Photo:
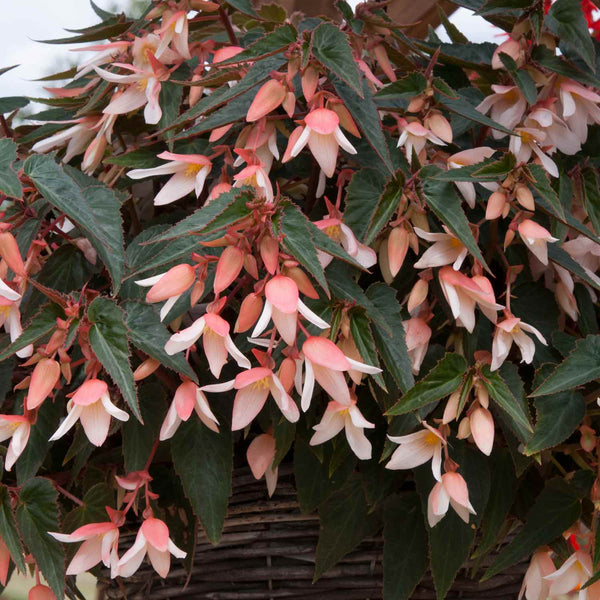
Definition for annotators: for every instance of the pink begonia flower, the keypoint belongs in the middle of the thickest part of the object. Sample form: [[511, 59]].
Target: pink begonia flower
[[536, 239], [152, 538], [253, 388], [91, 404], [188, 397], [189, 174], [323, 135], [535, 586], [585, 251], [174, 29], [342, 234], [565, 286], [10, 316], [479, 425], [17, 428], [105, 54], [417, 335], [326, 363], [77, 138], [168, 286], [416, 449], [414, 135], [511, 47], [514, 330], [463, 294], [41, 592], [446, 249], [216, 341], [260, 456], [572, 576], [348, 417], [5, 559], [558, 135], [257, 177], [451, 490], [257, 142], [100, 544], [579, 107], [43, 379], [530, 141], [467, 158], [506, 106], [282, 304]]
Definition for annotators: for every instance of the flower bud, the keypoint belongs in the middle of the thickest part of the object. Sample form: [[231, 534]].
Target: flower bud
[[146, 369], [495, 206]]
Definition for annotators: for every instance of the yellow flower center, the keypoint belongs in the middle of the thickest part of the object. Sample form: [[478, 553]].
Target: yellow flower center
[[334, 232], [432, 439], [455, 243], [4, 310], [192, 170], [512, 95], [261, 384], [526, 137], [142, 84]]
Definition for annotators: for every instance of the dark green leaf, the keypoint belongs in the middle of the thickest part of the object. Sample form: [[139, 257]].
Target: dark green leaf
[[331, 48], [41, 324], [494, 518], [558, 416], [580, 367], [441, 381], [298, 241], [591, 189], [203, 460], [96, 33], [108, 338], [138, 439], [542, 186], [390, 342], [405, 546], [274, 41], [501, 394], [37, 514], [567, 21], [385, 207], [363, 340], [147, 333], [10, 103], [554, 511], [441, 197], [142, 158], [33, 456], [9, 182], [547, 58], [244, 6], [521, 78], [204, 220], [365, 114], [93, 508], [8, 530], [407, 87], [362, 193], [345, 522], [92, 206]]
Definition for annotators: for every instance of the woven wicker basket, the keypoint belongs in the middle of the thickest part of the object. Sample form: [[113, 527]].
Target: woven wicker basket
[[268, 552]]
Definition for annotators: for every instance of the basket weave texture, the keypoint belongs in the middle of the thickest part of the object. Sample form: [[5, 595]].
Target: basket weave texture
[[267, 551]]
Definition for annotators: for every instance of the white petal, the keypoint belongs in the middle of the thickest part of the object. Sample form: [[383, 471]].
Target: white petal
[[309, 315]]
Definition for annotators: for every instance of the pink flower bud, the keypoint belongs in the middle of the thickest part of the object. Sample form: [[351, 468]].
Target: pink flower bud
[[41, 592], [250, 310], [9, 251], [397, 249], [269, 252], [43, 379], [482, 429], [418, 294], [145, 369], [229, 266], [525, 197], [310, 80], [495, 206], [268, 98], [438, 124]]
